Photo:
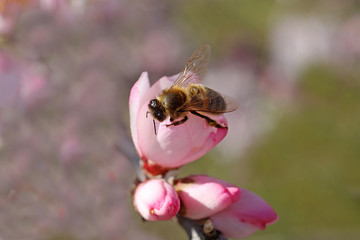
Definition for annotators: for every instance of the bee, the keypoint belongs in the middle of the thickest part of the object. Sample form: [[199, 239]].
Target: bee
[[186, 95]]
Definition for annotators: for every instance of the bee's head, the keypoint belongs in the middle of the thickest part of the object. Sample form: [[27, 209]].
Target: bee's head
[[157, 110]]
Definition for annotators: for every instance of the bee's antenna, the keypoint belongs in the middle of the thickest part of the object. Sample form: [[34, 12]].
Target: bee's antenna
[[154, 126]]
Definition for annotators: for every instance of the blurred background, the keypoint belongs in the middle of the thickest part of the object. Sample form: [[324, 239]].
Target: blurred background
[[66, 69]]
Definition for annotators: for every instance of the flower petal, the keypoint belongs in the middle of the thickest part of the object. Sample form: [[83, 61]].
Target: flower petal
[[201, 196], [136, 100], [156, 200], [245, 216]]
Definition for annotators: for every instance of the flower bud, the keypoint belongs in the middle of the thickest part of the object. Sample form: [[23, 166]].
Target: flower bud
[[244, 217], [156, 200], [171, 146], [202, 196]]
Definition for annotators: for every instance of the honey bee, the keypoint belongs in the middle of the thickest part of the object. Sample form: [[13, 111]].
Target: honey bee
[[186, 95]]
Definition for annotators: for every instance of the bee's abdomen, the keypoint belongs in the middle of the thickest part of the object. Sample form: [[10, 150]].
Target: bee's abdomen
[[215, 101], [206, 99]]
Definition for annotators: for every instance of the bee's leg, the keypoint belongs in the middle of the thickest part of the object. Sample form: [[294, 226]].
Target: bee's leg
[[154, 126], [210, 121], [178, 122]]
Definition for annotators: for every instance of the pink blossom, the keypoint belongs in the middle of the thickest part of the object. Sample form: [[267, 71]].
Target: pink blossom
[[71, 148], [51, 5], [160, 49], [6, 24], [156, 200], [245, 216], [9, 81], [172, 146], [33, 87], [202, 196]]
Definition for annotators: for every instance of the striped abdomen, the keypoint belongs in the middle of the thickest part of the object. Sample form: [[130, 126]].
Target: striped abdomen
[[205, 99]]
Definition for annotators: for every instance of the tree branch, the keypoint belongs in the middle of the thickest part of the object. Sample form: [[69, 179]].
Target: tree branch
[[196, 230]]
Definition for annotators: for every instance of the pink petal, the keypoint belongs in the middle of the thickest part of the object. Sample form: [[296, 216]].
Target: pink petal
[[136, 99], [245, 216], [201, 196], [156, 200]]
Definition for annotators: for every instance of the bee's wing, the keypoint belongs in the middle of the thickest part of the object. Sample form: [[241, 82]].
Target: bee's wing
[[201, 105], [195, 68]]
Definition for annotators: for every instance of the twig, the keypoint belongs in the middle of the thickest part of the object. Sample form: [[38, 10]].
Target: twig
[[196, 230]]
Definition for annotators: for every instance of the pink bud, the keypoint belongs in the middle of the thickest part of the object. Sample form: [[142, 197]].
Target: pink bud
[[156, 200], [172, 146], [202, 196], [245, 216]]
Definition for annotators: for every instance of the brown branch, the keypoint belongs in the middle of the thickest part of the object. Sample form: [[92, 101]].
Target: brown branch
[[196, 230]]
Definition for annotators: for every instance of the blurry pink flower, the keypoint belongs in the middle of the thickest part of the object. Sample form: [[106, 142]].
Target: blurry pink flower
[[202, 196], [245, 216], [9, 81], [160, 49], [155, 200], [50, 5], [6, 25], [71, 148], [172, 146], [349, 36], [33, 87]]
